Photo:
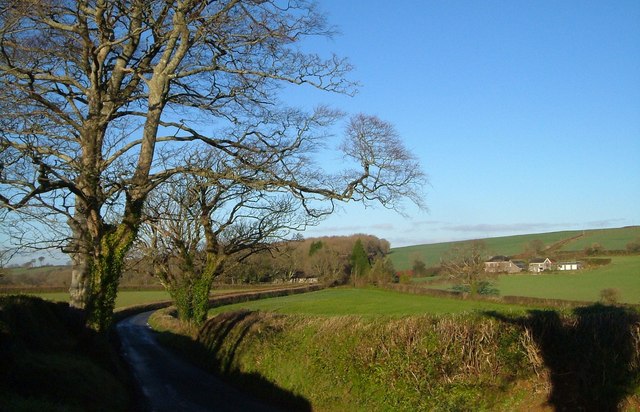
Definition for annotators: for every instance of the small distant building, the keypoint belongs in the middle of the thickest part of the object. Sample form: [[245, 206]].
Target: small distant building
[[502, 264], [301, 277], [538, 265], [569, 266]]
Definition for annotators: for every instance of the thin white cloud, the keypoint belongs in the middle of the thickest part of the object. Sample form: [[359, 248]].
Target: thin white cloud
[[383, 226], [355, 229], [511, 227], [606, 223], [331, 229], [431, 231], [531, 227], [420, 223]]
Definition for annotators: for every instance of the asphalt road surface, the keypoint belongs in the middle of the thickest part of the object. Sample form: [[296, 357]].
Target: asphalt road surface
[[169, 383]]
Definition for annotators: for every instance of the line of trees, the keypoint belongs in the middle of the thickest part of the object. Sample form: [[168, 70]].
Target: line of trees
[[105, 104], [332, 260], [181, 263]]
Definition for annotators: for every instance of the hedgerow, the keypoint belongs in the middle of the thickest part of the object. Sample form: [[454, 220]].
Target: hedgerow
[[477, 361]]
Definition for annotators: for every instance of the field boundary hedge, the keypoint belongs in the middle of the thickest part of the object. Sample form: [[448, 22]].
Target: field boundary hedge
[[509, 299], [586, 360], [220, 300]]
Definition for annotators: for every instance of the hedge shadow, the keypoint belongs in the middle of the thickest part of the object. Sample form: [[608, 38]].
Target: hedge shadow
[[592, 356]]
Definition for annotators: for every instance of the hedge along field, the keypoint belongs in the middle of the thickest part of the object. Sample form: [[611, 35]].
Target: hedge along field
[[622, 274], [588, 360]]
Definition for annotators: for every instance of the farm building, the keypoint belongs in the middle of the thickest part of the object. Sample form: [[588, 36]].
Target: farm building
[[538, 265], [301, 277], [503, 264], [569, 266]]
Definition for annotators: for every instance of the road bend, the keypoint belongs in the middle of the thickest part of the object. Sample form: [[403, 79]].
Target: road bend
[[169, 383]]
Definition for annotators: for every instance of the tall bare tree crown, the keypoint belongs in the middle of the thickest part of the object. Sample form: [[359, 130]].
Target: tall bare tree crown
[[102, 101]]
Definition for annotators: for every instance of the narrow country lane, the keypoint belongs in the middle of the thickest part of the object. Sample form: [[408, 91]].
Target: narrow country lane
[[170, 384]]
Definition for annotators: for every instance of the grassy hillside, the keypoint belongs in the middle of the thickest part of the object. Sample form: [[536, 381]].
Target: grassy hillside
[[575, 240], [610, 239]]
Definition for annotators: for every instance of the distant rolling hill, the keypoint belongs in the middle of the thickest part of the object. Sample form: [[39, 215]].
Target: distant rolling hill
[[568, 241]]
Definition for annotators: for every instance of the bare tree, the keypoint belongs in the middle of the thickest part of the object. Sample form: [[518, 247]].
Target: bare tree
[[98, 97], [328, 264], [195, 224], [288, 258], [464, 263]]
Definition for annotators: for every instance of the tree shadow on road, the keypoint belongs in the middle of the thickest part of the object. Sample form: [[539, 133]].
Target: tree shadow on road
[[203, 351], [592, 356]]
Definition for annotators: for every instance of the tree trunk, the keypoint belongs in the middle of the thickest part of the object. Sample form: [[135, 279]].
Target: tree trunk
[[79, 287], [105, 273], [473, 288], [80, 247], [98, 262]]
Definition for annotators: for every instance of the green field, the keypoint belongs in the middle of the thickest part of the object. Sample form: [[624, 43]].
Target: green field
[[364, 302], [577, 240], [610, 239], [623, 274], [139, 297], [124, 299]]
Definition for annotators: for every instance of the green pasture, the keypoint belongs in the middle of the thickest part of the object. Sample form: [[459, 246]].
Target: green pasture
[[38, 270], [623, 274], [610, 239], [124, 299], [364, 302], [513, 245], [403, 257], [140, 297]]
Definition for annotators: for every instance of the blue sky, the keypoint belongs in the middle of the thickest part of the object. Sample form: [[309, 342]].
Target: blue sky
[[524, 114]]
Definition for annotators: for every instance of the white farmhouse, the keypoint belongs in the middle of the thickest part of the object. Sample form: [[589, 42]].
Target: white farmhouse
[[538, 265], [569, 266]]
